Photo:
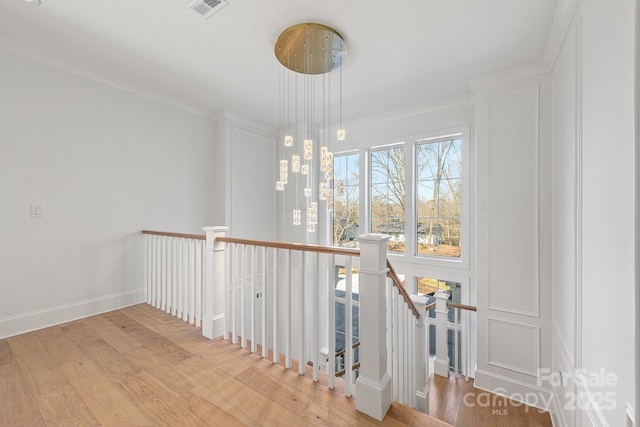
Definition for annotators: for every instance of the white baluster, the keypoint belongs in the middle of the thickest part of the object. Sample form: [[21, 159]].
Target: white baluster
[[331, 289], [228, 282], [263, 301], [254, 271], [185, 280], [315, 348], [157, 273], [172, 272], [302, 283], [147, 268], [348, 328], [287, 326], [234, 294], [243, 295], [276, 275], [397, 351], [456, 324], [199, 285]]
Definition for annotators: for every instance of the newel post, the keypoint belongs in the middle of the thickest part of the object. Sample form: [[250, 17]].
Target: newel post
[[441, 364], [373, 388], [421, 356], [213, 323]]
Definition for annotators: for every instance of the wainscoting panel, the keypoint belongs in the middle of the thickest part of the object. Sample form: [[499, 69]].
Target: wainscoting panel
[[523, 358]]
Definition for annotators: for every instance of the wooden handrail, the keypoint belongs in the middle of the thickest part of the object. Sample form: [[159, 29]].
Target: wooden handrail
[[396, 282], [341, 352], [292, 246], [461, 306], [299, 247], [341, 372], [180, 235], [430, 306]]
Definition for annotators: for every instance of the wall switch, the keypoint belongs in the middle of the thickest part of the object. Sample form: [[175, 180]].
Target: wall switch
[[37, 211]]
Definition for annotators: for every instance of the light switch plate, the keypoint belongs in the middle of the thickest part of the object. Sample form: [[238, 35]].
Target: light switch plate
[[37, 211]]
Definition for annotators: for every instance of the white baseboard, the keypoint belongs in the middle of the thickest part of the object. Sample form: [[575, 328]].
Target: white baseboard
[[38, 319], [557, 414], [562, 361], [531, 395]]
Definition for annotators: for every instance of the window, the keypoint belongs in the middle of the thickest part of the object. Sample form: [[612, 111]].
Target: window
[[429, 286], [439, 197], [346, 199], [416, 195], [388, 195]]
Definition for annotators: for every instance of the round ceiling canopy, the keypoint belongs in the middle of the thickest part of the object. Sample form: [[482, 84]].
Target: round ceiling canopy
[[310, 48]]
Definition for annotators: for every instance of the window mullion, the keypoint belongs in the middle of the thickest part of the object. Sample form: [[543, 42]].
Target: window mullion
[[410, 211]]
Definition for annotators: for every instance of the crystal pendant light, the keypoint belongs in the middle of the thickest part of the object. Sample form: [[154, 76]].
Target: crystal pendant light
[[308, 52]]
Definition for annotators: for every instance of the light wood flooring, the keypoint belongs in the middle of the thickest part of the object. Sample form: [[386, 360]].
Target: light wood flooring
[[140, 366]]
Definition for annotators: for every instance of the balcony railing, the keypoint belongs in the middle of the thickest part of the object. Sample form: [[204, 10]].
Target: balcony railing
[[279, 299]]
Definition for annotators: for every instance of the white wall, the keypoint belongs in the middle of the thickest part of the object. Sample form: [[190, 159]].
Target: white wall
[[105, 164], [513, 233], [607, 202], [593, 170], [566, 251], [250, 181]]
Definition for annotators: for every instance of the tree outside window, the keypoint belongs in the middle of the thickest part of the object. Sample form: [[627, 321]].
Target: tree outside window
[[388, 195], [346, 199], [439, 197]]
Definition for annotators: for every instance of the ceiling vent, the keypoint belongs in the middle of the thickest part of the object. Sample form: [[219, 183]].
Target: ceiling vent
[[207, 8]]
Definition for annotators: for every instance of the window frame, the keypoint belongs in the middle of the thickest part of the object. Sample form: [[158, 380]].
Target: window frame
[[410, 256]]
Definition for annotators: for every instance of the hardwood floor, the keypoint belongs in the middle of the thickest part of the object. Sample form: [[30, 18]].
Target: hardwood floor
[[139, 366], [459, 403]]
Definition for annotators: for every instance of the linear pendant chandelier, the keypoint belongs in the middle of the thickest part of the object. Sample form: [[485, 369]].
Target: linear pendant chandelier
[[308, 52]]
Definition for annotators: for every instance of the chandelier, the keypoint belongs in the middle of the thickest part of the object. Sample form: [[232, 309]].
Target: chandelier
[[308, 52]]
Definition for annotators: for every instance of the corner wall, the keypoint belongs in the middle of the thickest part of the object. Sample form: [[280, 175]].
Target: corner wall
[[105, 164], [593, 246]]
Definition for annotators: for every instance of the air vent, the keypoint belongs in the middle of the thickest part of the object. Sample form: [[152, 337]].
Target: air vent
[[207, 8]]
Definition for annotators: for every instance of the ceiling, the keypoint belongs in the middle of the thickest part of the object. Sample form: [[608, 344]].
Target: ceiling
[[400, 54]]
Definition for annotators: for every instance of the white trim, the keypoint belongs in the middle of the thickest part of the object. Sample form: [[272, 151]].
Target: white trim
[[578, 193], [537, 349], [590, 405], [535, 312], [512, 74], [37, 55], [466, 98], [512, 389], [38, 319], [562, 21], [561, 360], [557, 415], [565, 351], [631, 414]]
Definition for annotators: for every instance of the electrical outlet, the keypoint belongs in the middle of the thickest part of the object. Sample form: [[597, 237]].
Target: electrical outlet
[[37, 211]]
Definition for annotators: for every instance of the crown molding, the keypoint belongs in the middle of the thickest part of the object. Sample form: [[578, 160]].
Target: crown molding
[[509, 75], [565, 15], [441, 104], [31, 53]]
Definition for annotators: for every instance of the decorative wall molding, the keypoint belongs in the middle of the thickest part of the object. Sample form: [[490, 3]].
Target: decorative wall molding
[[565, 14], [513, 389], [38, 319], [512, 74], [491, 305], [534, 341]]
